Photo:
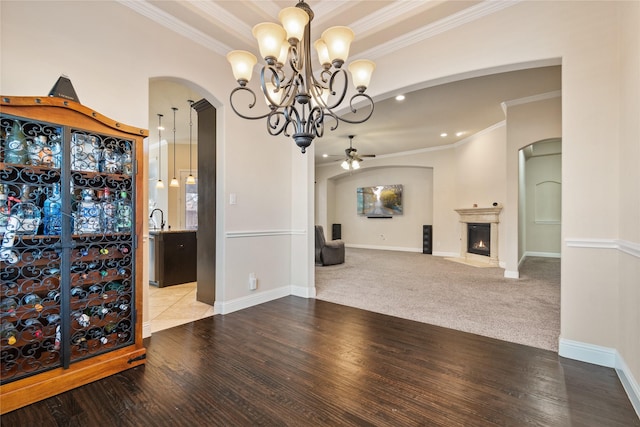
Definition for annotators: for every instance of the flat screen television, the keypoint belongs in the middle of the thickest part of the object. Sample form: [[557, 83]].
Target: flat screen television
[[380, 201]]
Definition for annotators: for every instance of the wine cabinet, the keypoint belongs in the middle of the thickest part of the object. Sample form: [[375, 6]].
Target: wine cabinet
[[70, 221]]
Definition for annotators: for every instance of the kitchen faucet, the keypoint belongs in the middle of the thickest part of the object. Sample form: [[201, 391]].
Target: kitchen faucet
[[161, 217]]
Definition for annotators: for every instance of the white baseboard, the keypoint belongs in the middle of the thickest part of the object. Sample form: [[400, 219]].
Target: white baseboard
[[146, 329], [629, 382], [542, 254], [509, 274], [384, 248], [590, 353], [303, 291], [227, 307], [447, 254], [604, 356]]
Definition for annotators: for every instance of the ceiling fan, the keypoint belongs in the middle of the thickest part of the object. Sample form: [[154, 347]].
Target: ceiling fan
[[353, 158]]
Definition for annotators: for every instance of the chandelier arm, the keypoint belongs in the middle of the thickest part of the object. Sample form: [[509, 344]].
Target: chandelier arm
[[369, 101], [251, 104], [273, 122], [332, 80], [315, 122]]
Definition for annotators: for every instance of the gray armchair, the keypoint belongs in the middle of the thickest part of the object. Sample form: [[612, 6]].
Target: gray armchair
[[328, 253]]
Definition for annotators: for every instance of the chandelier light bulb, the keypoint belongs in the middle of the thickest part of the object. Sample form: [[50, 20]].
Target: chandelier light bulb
[[323, 53], [355, 164], [270, 37], [338, 41], [242, 63], [174, 182], [160, 184], [284, 53], [361, 71], [345, 165], [294, 20], [191, 180]]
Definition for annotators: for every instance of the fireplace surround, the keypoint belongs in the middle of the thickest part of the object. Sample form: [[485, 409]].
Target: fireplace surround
[[469, 218]]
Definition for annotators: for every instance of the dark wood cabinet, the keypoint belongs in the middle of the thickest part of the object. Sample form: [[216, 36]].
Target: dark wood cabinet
[[173, 257]]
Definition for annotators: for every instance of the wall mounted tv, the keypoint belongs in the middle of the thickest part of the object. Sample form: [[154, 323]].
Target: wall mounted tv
[[380, 201]]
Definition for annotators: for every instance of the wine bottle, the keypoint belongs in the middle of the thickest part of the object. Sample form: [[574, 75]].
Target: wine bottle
[[53, 212], [4, 209], [34, 327], [33, 301], [27, 213], [83, 319], [34, 150], [123, 213], [88, 218], [16, 148], [53, 296], [78, 292], [108, 212], [9, 332], [56, 150], [8, 305]]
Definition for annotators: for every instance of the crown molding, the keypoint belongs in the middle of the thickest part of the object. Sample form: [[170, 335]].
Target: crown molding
[[529, 99], [212, 11], [364, 25], [148, 10], [449, 23]]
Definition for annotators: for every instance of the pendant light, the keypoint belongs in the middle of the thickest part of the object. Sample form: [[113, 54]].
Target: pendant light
[[190, 178], [174, 181], [159, 183]]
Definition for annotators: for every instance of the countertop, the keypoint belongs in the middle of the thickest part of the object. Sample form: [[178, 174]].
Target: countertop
[[156, 232]]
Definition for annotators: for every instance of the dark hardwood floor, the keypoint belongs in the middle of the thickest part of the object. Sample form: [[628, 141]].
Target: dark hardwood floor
[[299, 362]]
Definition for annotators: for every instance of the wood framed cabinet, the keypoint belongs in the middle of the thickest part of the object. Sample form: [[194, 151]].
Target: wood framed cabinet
[[71, 223]]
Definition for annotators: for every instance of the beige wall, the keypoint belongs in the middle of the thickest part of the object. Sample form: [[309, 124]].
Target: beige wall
[[542, 236], [628, 203], [528, 121], [401, 232]]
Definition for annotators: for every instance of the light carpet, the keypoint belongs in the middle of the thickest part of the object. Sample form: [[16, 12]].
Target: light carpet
[[434, 290]]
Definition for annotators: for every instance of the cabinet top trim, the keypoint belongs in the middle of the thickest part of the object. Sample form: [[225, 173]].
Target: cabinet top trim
[[52, 101]]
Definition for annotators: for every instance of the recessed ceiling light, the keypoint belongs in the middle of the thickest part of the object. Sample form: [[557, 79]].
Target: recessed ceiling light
[[400, 98], [443, 134], [459, 133], [325, 155]]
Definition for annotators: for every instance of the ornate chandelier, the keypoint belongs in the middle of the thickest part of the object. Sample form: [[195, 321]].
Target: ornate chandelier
[[299, 102]]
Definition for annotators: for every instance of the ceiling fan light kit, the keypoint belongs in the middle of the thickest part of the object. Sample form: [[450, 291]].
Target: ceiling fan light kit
[[299, 102], [352, 162]]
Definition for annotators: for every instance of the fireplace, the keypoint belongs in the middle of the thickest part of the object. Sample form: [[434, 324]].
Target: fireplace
[[479, 234], [479, 239]]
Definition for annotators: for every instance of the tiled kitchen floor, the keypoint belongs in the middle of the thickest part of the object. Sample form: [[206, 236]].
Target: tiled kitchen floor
[[175, 305]]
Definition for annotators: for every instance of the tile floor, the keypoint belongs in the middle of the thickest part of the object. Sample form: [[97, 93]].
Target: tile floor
[[175, 305]]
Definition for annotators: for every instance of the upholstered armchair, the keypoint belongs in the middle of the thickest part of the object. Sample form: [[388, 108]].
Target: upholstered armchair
[[328, 253]]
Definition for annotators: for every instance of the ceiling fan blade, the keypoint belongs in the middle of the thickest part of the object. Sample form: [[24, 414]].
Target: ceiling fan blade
[[367, 155]]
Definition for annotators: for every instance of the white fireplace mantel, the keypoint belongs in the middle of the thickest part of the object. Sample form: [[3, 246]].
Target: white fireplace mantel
[[480, 216]]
